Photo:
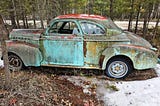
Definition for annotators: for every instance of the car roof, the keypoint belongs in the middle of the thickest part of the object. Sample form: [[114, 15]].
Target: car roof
[[81, 16]]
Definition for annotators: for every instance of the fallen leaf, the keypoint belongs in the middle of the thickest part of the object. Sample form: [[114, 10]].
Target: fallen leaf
[[43, 96], [12, 101]]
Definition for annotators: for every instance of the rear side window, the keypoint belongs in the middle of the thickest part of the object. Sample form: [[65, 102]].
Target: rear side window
[[91, 28]]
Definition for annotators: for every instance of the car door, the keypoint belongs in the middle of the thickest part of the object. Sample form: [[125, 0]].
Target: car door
[[95, 42], [63, 44]]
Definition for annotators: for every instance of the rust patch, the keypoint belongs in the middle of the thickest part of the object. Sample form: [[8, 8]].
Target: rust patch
[[101, 60], [20, 43], [62, 37], [85, 48], [71, 37], [136, 47], [28, 31], [91, 47]]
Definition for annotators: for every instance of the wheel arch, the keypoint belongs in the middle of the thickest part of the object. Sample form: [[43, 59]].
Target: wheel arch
[[118, 67], [121, 56], [107, 60]]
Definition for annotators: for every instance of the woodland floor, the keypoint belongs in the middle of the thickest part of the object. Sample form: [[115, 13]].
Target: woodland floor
[[45, 86]]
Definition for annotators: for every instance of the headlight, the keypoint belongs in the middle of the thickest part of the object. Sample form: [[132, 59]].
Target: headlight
[[154, 49], [159, 59]]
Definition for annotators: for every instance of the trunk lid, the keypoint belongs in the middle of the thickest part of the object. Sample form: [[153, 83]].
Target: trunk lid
[[26, 35], [23, 33]]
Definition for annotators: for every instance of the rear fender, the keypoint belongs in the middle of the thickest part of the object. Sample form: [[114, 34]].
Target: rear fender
[[29, 54]]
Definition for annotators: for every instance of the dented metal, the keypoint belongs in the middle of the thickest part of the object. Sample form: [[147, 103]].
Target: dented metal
[[80, 50]]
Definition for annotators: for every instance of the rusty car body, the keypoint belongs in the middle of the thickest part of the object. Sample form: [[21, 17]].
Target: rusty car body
[[81, 41]]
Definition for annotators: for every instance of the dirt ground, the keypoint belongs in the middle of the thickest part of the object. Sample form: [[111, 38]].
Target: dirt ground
[[45, 86]]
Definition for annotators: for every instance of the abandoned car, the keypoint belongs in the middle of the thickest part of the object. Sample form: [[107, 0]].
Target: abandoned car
[[81, 41]]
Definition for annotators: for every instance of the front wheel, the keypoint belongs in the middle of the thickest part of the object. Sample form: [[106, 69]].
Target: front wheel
[[118, 68], [15, 63]]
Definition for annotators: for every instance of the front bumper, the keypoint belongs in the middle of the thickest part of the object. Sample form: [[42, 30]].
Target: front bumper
[[159, 59], [156, 50]]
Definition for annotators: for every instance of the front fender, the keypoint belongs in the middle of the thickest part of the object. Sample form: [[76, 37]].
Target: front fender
[[142, 58], [29, 53]]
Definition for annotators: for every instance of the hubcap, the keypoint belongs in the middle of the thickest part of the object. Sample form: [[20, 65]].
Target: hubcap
[[14, 63], [118, 69]]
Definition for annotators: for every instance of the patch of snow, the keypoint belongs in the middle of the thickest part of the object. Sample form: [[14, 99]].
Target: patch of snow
[[130, 93], [80, 81], [124, 24], [135, 93], [158, 69], [86, 89], [1, 63]]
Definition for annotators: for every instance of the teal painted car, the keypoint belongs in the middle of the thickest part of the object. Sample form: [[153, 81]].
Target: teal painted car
[[81, 41]]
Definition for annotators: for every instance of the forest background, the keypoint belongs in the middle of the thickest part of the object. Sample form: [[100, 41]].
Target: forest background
[[38, 13]]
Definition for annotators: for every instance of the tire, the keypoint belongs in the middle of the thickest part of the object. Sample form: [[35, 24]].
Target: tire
[[118, 68], [15, 63]]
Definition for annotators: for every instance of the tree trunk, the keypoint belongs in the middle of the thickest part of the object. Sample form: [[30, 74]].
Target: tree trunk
[[156, 26], [13, 22], [48, 16], [122, 17], [137, 18], [23, 19], [156, 10], [149, 13], [41, 7], [90, 7], [4, 36], [12, 15], [26, 20], [145, 23], [34, 20], [42, 25], [33, 14], [17, 20], [146, 15], [131, 16], [111, 9], [15, 14]]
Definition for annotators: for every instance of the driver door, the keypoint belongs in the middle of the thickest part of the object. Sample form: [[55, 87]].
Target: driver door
[[63, 44]]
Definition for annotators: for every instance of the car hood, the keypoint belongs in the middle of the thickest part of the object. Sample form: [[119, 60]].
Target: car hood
[[134, 39], [137, 40]]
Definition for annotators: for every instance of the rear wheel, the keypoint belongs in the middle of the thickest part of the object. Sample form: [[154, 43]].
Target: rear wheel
[[15, 63], [118, 68]]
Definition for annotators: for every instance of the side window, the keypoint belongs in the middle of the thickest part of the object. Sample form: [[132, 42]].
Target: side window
[[64, 27], [55, 27], [92, 29]]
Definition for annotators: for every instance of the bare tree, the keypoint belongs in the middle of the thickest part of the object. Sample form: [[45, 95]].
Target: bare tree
[[4, 36]]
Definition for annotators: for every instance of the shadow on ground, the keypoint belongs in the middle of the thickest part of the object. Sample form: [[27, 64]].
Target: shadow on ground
[[135, 75]]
